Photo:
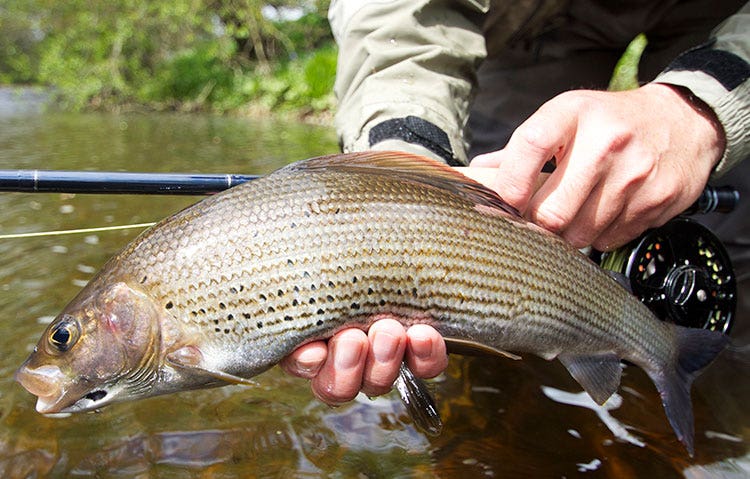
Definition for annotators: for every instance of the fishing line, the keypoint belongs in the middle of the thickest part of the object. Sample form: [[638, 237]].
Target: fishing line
[[77, 231]]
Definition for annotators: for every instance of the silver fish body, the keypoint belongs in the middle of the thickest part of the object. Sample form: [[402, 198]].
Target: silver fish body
[[226, 288]]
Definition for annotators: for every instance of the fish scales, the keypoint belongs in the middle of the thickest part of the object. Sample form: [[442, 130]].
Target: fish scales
[[409, 221], [224, 289]]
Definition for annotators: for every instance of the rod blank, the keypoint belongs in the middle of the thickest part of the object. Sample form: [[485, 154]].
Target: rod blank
[[107, 182], [721, 199]]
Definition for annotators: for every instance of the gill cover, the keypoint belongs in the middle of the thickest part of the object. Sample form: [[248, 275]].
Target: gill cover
[[100, 349]]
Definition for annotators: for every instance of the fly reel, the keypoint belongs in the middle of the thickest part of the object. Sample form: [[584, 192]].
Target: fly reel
[[682, 272]]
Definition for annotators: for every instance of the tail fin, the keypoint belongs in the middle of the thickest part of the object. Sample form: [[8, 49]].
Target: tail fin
[[695, 349]]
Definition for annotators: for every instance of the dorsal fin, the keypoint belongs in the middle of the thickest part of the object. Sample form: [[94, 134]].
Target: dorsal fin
[[408, 167]]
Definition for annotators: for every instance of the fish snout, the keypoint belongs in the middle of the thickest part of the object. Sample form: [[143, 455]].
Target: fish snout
[[45, 382]]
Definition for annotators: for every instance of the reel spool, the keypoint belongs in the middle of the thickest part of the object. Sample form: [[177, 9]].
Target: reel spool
[[682, 272]]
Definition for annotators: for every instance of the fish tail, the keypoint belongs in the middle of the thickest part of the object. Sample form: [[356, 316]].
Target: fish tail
[[694, 350]]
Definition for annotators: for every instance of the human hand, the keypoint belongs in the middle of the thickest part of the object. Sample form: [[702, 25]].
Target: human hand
[[626, 161], [353, 360]]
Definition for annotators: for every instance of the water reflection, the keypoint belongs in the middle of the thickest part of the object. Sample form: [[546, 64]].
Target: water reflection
[[499, 422]]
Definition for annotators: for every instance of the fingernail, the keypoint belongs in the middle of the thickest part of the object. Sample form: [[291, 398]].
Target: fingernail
[[347, 354], [308, 363], [384, 347], [422, 348]]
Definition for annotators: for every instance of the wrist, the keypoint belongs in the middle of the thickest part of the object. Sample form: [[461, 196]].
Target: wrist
[[704, 119]]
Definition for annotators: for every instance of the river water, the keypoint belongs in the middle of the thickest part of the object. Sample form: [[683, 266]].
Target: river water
[[502, 418]]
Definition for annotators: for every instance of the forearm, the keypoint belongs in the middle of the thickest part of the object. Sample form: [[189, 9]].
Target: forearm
[[718, 73], [404, 60]]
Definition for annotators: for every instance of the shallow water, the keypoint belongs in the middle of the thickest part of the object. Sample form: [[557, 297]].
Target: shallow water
[[502, 418]]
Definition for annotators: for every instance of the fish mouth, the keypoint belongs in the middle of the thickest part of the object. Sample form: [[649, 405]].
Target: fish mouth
[[62, 406], [56, 396]]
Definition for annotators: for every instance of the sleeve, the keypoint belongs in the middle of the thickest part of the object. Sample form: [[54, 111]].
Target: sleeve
[[717, 73], [406, 73]]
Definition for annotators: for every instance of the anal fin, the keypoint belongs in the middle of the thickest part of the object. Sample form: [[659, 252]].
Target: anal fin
[[191, 358], [599, 374]]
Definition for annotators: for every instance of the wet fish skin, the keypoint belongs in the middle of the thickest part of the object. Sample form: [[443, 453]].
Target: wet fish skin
[[223, 290]]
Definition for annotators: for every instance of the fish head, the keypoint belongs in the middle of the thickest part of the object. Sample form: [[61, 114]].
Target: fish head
[[101, 349]]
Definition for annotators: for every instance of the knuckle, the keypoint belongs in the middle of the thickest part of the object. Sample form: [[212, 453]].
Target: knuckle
[[534, 137]]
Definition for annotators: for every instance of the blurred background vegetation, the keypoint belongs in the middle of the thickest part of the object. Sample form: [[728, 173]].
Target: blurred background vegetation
[[187, 55]]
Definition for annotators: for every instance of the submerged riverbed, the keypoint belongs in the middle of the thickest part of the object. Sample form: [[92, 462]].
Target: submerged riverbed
[[502, 418]]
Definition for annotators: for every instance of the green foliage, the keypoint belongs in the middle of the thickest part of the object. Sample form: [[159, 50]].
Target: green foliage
[[625, 76], [182, 54]]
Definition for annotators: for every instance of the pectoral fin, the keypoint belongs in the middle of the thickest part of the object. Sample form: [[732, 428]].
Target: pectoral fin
[[418, 401], [599, 374], [472, 348], [191, 358]]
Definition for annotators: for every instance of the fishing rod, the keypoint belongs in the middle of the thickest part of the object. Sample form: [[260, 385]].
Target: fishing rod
[[722, 199], [110, 182]]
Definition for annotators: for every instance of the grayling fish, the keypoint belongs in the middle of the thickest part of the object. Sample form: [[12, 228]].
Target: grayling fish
[[223, 290]]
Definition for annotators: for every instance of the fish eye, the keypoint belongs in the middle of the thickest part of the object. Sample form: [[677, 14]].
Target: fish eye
[[64, 335]]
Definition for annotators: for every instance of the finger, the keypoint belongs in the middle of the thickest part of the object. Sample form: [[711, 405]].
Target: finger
[[596, 214], [634, 218], [486, 160], [387, 345], [340, 378], [306, 360], [544, 135], [485, 176], [426, 354], [558, 201]]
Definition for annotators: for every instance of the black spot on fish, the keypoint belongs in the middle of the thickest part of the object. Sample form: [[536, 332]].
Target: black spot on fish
[[337, 211], [331, 284], [143, 280], [271, 309], [226, 330], [202, 311], [242, 288], [312, 287], [320, 311], [370, 291], [230, 317], [233, 290], [296, 289], [354, 280], [217, 330], [279, 293], [290, 262], [305, 274], [399, 292], [194, 313], [247, 315], [293, 225], [262, 297], [259, 324], [295, 302], [354, 306], [329, 298], [312, 301], [288, 318], [414, 292], [319, 322], [222, 306], [216, 321], [382, 302], [169, 305]]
